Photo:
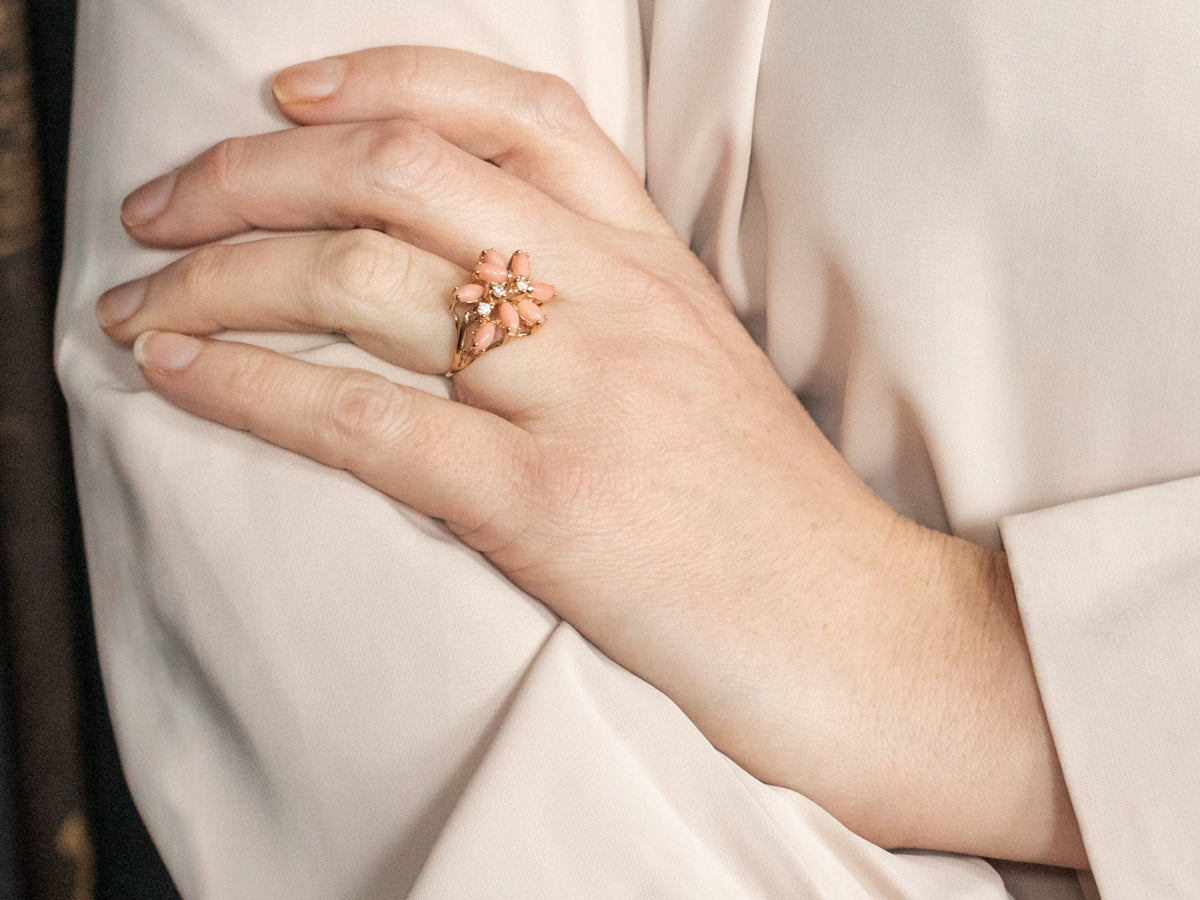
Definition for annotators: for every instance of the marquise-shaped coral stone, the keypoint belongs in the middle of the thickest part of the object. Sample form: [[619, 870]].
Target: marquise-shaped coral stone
[[469, 293], [541, 291], [520, 264], [484, 335], [529, 312], [509, 317], [492, 258], [490, 273]]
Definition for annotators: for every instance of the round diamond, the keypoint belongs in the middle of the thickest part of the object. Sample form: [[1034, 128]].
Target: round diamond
[[499, 291], [484, 308], [524, 286]]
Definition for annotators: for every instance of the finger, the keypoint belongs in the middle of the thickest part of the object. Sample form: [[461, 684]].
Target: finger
[[385, 296], [396, 176], [438, 457], [532, 124]]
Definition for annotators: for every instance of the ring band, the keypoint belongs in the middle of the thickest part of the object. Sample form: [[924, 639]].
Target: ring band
[[501, 304]]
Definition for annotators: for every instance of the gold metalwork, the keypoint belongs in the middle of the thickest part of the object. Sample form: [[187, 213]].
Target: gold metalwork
[[499, 306]]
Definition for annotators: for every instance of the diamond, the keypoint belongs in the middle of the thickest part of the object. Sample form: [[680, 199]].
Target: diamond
[[524, 285], [484, 308], [499, 291]]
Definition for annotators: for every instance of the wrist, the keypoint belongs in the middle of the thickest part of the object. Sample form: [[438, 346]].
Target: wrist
[[986, 779]]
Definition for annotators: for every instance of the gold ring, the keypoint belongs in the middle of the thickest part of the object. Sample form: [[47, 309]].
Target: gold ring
[[501, 304]]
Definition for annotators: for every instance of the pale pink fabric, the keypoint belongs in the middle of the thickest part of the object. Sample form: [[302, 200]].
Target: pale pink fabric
[[963, 231]]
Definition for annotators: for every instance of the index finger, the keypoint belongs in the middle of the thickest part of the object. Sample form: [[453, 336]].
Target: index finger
[[531, 123]]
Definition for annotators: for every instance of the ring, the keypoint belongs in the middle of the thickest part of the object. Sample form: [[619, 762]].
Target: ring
[[500, 305]]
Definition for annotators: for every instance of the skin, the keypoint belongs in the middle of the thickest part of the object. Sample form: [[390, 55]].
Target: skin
[[648, 475]]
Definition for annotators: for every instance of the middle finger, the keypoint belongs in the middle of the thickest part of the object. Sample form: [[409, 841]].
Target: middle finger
[[395, 176]]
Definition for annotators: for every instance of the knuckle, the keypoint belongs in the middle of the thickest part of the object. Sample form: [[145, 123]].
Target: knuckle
[[253, 384], [681, 313], [201, 270], [498, 520], [365, 266], [364, 411], [590, 492], [402, 156], [675, 310], [515, 524], [404, 70], [658, 340], [554, 104], [224, 165]]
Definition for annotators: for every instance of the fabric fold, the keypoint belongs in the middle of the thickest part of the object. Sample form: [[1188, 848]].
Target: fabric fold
[[1108, 590]]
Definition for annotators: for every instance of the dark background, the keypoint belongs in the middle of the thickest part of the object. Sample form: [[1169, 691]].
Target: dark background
[[68, 827]]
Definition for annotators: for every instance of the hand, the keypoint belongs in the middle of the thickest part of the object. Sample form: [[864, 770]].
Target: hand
[[636, 465]]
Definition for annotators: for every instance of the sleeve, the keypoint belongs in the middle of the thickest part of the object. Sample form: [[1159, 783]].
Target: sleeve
[[301, 673], [1109, 592], [317, 693]]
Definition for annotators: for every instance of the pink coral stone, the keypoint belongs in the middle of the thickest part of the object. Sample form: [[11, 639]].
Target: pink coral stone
[[529, 312], [484, 335], [541, 291], [509, 317], [491, 258], [469, 293], [520, 264], [494, 274]]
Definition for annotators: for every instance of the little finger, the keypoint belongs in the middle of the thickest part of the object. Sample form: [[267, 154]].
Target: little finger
[[420, 449]]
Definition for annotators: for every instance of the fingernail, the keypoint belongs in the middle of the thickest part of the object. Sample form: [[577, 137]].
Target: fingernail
[[165, 350], [121, 302], [309, 81], [148, 201]]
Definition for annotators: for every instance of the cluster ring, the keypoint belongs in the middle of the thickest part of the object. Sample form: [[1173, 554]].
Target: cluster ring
[[502, 303]]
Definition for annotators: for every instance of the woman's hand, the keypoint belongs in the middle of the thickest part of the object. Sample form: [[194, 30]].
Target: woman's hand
[[636, 465]]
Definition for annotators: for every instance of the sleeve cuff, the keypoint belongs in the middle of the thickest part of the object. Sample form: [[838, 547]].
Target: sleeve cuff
[[1109, 593]]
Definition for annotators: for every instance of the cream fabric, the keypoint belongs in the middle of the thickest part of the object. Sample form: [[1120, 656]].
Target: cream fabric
[[963, 232]]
